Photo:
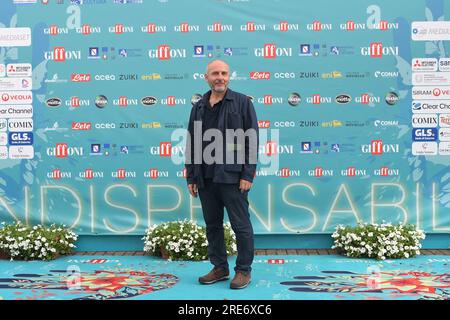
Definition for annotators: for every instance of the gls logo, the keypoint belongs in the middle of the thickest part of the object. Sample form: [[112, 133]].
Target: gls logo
[[20, 138], [424, 134]]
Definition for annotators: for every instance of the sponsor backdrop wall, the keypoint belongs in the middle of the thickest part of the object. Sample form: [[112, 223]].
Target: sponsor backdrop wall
[[352, 97]]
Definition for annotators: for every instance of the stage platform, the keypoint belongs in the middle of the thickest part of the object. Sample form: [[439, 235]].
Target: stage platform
[[314, 275]]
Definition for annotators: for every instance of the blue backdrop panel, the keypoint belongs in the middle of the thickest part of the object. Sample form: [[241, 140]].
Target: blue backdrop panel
[[114, 82]]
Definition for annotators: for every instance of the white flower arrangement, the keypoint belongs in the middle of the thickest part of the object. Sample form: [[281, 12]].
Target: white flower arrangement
[[22, 242], [380, 241], [183, 240]]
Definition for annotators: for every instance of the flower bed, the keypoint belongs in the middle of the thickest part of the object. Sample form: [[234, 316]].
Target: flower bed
[[183, 240], [378, 241], [18, 241]]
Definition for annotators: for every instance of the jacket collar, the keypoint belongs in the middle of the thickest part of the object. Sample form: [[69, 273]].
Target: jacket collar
[[230, 95]]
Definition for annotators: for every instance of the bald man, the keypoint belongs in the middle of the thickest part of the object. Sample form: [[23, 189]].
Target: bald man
[[224, 175]]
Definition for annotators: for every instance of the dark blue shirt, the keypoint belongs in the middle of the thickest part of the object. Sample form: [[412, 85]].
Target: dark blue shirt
[[210, 121]]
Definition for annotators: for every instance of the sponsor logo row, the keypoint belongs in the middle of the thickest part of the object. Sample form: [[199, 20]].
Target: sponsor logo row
[[270, 148], [267, 51], [294, 99], [155, 173], [234, 76], [219, 27], [262, 124]]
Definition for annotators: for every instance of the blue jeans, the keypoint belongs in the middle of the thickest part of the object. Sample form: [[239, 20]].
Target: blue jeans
[[214, 197]]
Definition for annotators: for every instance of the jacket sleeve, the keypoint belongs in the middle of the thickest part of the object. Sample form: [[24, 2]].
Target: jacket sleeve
[[250, 122], [189, 150]]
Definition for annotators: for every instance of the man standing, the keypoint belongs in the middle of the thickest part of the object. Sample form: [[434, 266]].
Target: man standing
[[222, 182]]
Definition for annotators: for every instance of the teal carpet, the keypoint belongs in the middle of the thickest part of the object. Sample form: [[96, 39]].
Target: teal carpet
[[290, 277]]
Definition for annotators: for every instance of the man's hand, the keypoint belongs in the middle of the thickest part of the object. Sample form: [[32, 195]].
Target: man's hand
[[193, 189], [244, 185]]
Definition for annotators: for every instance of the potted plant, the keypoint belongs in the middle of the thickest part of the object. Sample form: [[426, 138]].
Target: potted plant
[[19, 241], [380, 241], [183, 240]]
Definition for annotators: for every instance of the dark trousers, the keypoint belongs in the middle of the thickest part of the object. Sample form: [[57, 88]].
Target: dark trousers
[[214, 197]]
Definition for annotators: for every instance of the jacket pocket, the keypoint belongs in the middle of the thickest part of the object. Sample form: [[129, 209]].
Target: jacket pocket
[[234, 120]]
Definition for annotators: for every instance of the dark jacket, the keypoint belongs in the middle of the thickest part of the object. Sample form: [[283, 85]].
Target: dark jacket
[[236, 112]]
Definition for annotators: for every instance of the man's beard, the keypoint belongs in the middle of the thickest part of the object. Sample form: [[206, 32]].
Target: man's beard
[[213, 87]]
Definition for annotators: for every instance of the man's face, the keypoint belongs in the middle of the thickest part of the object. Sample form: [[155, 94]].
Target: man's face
[[218, 76]]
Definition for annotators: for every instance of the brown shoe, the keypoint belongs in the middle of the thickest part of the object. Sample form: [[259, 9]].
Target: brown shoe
[[216, 274], [240, 280]]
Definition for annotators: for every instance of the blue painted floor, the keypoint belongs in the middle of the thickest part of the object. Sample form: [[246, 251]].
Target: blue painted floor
[[290, 277]]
